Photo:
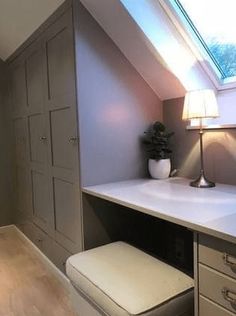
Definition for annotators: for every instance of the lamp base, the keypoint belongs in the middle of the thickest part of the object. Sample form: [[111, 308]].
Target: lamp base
[[202, 182]]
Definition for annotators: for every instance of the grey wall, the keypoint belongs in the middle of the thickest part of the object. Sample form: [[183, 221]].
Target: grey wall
[[219, 147], [6, 166], [115, 107]]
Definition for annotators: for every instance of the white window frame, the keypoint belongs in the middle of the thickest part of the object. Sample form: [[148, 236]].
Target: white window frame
[[192, 40]]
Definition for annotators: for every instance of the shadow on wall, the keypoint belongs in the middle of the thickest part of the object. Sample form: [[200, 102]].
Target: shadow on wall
[[220, 152], [219, 147]]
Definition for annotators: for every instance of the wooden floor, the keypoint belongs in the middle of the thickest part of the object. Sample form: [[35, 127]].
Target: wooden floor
[[27, 286]]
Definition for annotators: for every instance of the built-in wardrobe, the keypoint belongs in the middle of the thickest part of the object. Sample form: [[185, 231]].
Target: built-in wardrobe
[[77, 104], [44, 119]]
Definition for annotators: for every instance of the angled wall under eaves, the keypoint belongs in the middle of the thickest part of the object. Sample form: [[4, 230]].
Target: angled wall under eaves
[[149, 39], [115, 107], [122, 29]]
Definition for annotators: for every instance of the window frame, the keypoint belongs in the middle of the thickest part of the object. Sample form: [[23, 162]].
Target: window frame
[[196, 43]]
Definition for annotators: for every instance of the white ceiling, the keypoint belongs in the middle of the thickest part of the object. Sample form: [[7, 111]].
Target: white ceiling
[[19, 19]]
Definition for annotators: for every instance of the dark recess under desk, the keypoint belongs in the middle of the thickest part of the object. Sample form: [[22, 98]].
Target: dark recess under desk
[[170, 242]]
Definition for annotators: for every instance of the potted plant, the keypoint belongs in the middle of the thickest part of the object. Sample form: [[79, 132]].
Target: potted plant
[[156, 141]]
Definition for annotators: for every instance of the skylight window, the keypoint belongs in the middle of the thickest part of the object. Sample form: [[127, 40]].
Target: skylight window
[[213, 24]]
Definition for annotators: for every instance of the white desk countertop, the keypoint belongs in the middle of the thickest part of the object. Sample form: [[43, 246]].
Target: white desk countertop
[[211, 211]]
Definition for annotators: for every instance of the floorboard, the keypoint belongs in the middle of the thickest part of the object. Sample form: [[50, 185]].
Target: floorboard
[[28, 287]]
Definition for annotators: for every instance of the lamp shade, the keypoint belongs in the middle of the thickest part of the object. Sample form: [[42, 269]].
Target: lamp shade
[[200, 104]]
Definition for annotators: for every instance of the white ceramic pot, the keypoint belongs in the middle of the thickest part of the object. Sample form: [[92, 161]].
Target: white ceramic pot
[[159, 169]]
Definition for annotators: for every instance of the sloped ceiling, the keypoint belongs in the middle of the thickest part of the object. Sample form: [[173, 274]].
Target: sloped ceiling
[[19, 19], [150, 41]]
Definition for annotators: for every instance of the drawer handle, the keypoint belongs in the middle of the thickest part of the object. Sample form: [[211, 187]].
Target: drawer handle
[[229, 295], [43, 138], [228, 262]]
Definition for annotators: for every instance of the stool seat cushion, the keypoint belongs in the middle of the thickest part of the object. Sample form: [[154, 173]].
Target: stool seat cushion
[[128, 277]]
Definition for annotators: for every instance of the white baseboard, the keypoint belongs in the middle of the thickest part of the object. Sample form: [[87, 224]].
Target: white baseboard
[[48, 263]]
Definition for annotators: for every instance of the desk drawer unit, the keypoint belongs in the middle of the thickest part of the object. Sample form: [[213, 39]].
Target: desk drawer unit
[[217, 287], [218, 254], [209, 308], [217, 277]]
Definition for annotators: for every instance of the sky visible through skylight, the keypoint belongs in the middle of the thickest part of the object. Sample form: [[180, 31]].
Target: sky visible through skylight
[[215, 20]]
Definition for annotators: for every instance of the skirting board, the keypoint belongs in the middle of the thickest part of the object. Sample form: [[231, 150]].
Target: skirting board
[[51, 266]]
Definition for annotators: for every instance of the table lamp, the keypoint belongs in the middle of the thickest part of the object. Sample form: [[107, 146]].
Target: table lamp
[[200, 104]]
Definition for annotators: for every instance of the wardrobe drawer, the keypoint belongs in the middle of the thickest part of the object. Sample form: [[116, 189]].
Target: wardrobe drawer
[[218, 254], [209, 308], [39, 238], [29, 231], [43, 241], [217, 287], [59, 256]]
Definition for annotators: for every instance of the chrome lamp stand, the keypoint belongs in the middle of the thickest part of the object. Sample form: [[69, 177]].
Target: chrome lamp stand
[[201, 181]]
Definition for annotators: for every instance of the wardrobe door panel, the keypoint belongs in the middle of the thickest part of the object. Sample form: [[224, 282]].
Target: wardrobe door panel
[[19, 94], [20, 131], [35, 79], [63, 138], [38, 139], [43, 215], [60, 62], [23, 190], [66, 210]]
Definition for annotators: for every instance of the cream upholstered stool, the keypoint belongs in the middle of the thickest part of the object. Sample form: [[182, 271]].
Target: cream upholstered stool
[[118, 279]]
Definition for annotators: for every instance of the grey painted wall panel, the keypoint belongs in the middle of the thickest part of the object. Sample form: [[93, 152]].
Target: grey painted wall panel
[[219, 147], [6, 165], [115, 107]]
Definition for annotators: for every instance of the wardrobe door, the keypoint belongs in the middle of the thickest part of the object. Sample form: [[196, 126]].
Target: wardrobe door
[[21, 138], [35, 74], [18, 88], [41, 200], [38, 137], [22, 175], [62, 124], [21, 141], [23, 197]]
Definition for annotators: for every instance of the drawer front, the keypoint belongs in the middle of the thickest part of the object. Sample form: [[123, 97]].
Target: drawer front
[[39, 238], [29, 231], [43, 242], [59, 256], [208, 308], [218, 254], [211, 285]]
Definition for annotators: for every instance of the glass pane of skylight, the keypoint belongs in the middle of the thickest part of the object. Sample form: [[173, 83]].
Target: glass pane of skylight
[[214, 23]]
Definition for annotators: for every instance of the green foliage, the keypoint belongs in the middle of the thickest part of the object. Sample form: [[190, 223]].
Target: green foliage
[[156, 141], [225, 54]]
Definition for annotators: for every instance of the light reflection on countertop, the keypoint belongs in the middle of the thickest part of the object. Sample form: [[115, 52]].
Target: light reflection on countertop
[[210, 210]]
